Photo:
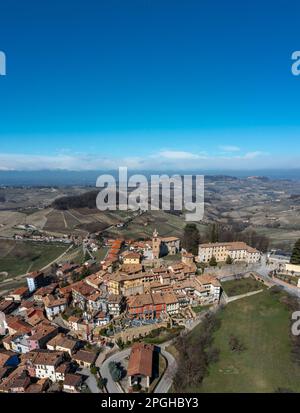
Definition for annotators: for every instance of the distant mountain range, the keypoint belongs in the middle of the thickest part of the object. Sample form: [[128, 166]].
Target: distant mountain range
[[88, 178]]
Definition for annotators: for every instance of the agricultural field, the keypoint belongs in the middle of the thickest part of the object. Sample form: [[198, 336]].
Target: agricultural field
[[270, 207], [264, 364], [17, 257], [143, 226]]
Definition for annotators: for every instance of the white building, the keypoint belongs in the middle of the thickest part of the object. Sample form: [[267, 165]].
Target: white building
[[48, 365], [35, 280], [237, 251], [20, 344], [54, 306]]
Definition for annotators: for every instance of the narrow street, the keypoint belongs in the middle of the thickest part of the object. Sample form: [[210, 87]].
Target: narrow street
[[90, 381]]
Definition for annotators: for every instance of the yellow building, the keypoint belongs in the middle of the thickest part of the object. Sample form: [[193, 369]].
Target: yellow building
[[237, 251], [131, 258]]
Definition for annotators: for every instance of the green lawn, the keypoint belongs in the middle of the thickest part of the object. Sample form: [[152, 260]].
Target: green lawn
[[262, 324], [243, 286], [101, 253], [159, 337], [29, 256]]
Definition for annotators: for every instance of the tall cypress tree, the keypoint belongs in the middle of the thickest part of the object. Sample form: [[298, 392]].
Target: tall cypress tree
[[191, 238], [295, 259]]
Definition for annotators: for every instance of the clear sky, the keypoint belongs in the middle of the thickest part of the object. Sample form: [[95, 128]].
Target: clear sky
[[156, 83]]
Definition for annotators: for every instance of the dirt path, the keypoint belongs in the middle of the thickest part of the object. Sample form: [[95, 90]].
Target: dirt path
[[64, 219]]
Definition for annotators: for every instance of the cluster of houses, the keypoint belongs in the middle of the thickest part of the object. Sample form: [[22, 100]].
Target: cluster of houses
[[49, 326]]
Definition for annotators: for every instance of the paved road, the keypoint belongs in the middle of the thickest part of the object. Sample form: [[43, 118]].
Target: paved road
[[111, 386], [264, 271], [167, 380], [90, 381]]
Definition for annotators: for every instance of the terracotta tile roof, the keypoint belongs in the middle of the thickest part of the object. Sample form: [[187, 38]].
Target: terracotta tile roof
[[85, 356], [139, 300], [95, 296], [158, 298], [20, 291], [231, 246], [83, 288], [42, 330], [51, 301], [170, 298], [188, 255], [63, 368], [208, 279], [131, 255], [7, 306], [43, 357], [131, 268], [114, 299], [17, 324], [73, 319], [95, 279], [35, 274], [17, 379], [141, 360], [45, 290], [4, 372], [62, 341], [27, 304], [66, 290], [73, 380], [34, 388], [159, 270], [169, 239], [35, 316], [68, 267]]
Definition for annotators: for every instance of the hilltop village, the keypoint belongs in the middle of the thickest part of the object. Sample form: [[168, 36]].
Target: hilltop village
[[58, 330]]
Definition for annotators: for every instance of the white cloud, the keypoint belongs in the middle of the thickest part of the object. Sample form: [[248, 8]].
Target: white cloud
[[230, 148], [163, 160], [253, 155], [179, 155]]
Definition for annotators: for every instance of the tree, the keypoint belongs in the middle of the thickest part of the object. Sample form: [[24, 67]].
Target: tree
[[214, 233], [295, 259], [87, 257], [229, 260], [94, 370], [101, 383], [213, 261], [191, 238], [112, 366], [116, 374], [120, 343], [236, 345]]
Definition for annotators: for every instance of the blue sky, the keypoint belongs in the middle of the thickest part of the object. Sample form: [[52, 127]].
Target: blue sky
[[160, 83]]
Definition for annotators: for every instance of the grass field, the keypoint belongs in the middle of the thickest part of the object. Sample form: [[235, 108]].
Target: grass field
[[243, 286], [162, 336], [20, 257], [262, 323]]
